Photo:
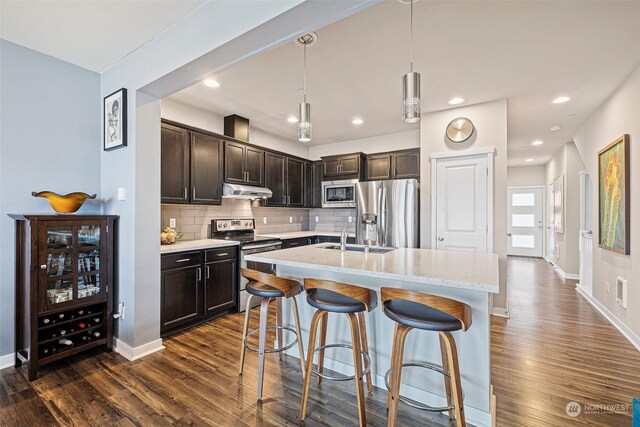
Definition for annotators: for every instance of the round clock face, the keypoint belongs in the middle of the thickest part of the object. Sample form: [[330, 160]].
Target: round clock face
[[460, 129]]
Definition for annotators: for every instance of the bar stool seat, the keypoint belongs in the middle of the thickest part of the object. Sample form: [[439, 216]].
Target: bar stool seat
[[420, 316], [263, 290], [334, 302]]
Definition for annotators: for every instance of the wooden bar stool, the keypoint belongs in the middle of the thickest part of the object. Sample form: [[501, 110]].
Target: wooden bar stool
[[412, 309], [353, 301], [268, 287]]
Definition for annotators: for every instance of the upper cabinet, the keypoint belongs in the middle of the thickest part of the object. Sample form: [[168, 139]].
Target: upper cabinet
[[191, 166], [243, 164], [284, 176], [313, 184], [394, 165], [346, 166]]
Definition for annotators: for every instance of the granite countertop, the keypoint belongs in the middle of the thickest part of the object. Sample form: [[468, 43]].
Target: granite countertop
[[457, 269], [300, 234], [194, 245]]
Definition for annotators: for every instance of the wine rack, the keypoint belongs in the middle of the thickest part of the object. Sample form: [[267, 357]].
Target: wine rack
[[64, 287]]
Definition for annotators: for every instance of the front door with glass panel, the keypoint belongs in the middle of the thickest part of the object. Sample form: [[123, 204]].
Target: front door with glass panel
[[525, 221]]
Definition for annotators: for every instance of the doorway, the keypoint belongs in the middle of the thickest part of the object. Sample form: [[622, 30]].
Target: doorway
[[525, 221]]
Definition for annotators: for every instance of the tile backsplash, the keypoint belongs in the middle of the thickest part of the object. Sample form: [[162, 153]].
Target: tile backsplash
[[194, 221]]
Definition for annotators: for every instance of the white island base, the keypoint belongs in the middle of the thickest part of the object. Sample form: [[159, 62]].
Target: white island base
[[462, 276]]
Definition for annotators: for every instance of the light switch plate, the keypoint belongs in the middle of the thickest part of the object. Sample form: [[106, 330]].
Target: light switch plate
[[172, 222], [290, 219], [264, 219], [122, 194], [317, 218], [350, 219]]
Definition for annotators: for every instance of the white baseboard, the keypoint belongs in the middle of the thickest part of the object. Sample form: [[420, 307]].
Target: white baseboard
[[7, 360], [133, 353], [561, 272], [501, 312], [617, 323], [473, 415]]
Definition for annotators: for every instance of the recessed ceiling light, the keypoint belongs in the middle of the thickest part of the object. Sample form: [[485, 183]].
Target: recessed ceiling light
[[357, 121], [525, 148], [456, 101], [571, 116], [538, 142], [561, 99], [555, 128], [211, 83], [529, 160], [292, 119]]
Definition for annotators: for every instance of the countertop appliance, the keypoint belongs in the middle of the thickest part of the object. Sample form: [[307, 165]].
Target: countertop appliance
[[387, 213], [243, 231], [339, 194]]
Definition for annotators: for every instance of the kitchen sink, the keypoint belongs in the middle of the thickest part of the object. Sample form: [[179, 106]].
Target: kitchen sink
[[361, 248]]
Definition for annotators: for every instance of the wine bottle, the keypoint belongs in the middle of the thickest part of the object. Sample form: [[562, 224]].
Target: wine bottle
[[61, 316], [62, 331], [96, 320], [65, 341], [96, 334], [80, 312], [46, 321], [82, 325]]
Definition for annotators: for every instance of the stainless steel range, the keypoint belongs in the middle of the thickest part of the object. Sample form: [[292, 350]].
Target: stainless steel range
[[243, 231]]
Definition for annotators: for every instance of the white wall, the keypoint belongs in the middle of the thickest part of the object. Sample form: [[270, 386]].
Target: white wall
[[490, 120], [50, 139], [207, 120], [526, 176], [568, 163], [375, 144], [617, 116]]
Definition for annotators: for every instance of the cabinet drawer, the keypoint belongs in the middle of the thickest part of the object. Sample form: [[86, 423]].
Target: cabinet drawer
[[292, 243], [182, 259], [220, 254]]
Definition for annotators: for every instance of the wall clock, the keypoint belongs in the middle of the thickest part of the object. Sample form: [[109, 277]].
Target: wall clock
[[460, 129]]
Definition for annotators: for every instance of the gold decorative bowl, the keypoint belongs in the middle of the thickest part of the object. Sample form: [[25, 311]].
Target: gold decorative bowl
[[64, 204]]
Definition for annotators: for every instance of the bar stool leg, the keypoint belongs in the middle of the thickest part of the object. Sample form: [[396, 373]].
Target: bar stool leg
[[393, 357], [323, 339], [262, 343], [365, 348], [456, 389], [396, 372], [296, 319], [447, 380], [279, 323], [313, 330], [357, 365], [245, 330]]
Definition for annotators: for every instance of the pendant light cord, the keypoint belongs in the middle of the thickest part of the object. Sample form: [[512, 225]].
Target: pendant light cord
[[305, 72], [411, 29]]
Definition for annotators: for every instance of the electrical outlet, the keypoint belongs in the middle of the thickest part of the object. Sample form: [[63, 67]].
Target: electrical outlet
[[120, 313], [350, 219], [264, 219], [172, 222], [621, 292], [290, 219], [606, 286], [317, 218]]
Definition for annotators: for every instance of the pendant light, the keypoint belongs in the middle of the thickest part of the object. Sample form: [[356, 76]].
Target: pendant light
[[304, 108], [411, 87]]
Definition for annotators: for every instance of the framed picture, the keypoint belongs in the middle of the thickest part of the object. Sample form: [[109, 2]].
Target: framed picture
[[558, 204], [115, 120], [614, 197]]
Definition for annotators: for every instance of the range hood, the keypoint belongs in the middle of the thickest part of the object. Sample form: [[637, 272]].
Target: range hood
[[246, 192]]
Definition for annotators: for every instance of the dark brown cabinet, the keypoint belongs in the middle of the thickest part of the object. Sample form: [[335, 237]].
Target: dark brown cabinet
[[196, 286], [346, 166], [294, 243], [313, 184], [191, 166], [243, 164], [393, 165], [64, 286], [284, 176]]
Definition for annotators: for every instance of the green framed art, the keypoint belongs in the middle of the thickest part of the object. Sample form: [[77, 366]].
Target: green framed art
[[614, 196]]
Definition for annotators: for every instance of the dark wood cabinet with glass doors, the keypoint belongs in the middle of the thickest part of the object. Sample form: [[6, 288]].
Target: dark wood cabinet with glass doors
[[64, 286]]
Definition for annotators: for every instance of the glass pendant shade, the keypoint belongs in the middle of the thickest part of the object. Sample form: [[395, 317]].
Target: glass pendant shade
[[304, 125], [411, 97]]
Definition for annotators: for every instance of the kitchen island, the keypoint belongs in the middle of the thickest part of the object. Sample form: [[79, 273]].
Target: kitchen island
[[465, 276]]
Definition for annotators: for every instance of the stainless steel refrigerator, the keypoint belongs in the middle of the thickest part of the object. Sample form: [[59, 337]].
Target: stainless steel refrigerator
[[387, 213]]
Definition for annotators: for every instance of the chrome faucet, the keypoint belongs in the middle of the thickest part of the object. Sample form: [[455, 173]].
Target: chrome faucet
[[343, 239]]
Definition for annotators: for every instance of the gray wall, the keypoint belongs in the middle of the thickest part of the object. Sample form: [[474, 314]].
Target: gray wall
[[50, 139]]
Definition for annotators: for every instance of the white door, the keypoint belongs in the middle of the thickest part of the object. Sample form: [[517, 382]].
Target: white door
[[525, 221], [551, 235], [461, 209], [586, 235]]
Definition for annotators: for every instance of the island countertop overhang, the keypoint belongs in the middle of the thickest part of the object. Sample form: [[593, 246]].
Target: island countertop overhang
[[454, 269]]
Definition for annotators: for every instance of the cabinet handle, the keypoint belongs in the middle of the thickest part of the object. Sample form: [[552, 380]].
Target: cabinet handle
[[183, 260], [294, 244], [224, 254], [193, 193], [185, 193], [207, 267], [199, 274], [288, 200], [43, 267], [247, 176], [395, 171], [284, 200]]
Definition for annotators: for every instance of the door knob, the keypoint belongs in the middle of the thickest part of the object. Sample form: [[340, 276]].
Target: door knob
[[508, 234], [440, 239]]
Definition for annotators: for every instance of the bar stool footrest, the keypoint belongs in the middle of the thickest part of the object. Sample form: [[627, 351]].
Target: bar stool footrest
[[343, 377], [414, 403], [271, 350]]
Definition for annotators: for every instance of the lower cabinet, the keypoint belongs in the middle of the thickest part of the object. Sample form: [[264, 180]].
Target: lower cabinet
[[196, 286], [293, 243]]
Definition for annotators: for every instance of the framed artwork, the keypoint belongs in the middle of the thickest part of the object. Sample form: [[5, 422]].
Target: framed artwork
[[558, 204], [115, 120], [614, 197]]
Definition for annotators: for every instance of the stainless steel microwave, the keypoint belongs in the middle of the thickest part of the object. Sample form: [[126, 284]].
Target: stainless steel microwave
[[339, 194]]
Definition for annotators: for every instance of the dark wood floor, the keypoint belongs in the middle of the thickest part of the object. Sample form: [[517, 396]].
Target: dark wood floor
[[555, 348]]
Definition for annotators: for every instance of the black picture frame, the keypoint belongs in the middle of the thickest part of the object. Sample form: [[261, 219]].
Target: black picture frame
[[114, 120]]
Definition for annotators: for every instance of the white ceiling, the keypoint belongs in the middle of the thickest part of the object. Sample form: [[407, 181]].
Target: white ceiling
[[92, 34], [527, 52]]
